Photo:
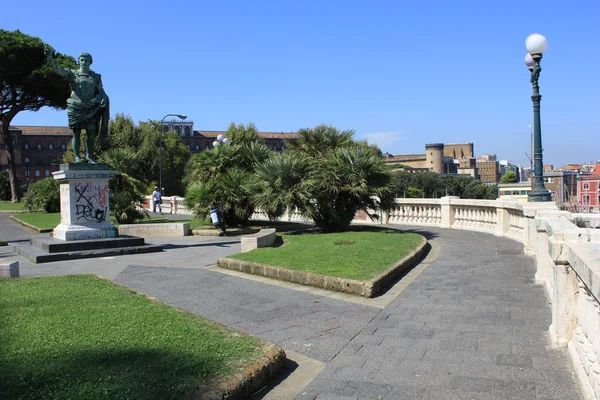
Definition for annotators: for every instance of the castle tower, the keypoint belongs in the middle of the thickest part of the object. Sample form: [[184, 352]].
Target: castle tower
[[434, 157]]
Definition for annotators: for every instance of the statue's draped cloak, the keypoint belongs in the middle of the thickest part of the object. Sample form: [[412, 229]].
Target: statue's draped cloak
[[81, 111]]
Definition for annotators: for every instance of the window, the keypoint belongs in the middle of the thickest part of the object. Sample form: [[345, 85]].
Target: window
[[26, 146], [38, 147], [37, 172], [188, 131], [523, 192], [50, 146], [197, 148], [586, 186], [27, 172], [47, 173], [586, 199], [63, 146]]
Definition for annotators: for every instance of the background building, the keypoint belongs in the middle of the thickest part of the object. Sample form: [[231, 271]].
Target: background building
[[38, 150], [515, 191], [505, 166], [589, 191], [489, 171], [440, 158]]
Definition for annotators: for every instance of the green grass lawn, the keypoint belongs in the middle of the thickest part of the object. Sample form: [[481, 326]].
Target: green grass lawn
[[83, 337], [10, 206], [41, 220], [361, 253]]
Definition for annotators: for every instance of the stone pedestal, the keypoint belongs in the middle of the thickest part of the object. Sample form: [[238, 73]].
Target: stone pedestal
[[84, 205]]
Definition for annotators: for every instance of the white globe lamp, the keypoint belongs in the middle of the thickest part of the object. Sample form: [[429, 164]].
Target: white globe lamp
[[536, 43]]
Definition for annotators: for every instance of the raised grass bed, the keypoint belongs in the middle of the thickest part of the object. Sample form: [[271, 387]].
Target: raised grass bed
[[83, 337], [362, 261]]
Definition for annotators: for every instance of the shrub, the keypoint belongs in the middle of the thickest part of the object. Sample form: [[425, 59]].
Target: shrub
[[579, 222], [43, 195]]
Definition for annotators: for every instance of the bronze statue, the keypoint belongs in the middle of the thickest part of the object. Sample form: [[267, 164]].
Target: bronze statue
[[88, 106]]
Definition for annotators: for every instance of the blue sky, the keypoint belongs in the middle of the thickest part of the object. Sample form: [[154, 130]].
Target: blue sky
[[399, 73]]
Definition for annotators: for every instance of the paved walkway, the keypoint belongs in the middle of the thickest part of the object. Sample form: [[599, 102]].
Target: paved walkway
[[472, 325]]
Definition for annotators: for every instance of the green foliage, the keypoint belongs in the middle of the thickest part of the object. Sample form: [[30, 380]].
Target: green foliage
[[509, 177], [222, 177], [277, 185], [43, 195], [326, 176], [242, 134], [414, 192], [432, 185], [491, 192], [4, 186], [27, 83], [126, 192], [579, 222], [144, 142]]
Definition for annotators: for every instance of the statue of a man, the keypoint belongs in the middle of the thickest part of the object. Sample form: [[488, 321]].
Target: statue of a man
[[88, 106]]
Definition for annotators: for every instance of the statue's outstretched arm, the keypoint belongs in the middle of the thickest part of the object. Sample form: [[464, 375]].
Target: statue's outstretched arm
[[61, 71]]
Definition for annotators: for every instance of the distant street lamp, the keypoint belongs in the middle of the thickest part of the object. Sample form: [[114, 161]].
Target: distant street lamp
[[536, 44], [27, 173], [181, 116]]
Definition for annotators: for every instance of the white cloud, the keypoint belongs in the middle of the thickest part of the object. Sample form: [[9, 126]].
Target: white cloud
[[385, 140]]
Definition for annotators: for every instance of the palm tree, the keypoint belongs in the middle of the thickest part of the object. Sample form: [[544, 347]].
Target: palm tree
[[327, 176], [221, 178]]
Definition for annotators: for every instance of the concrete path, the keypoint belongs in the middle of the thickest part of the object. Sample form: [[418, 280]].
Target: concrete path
[[12, 232], [472, 325]]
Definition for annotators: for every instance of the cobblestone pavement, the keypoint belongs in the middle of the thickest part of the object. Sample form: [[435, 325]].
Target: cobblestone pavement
[[472, 325]]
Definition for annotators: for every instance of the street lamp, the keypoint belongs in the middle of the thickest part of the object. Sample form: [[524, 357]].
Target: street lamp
[[27, 172], [160, 153], [536, 44]]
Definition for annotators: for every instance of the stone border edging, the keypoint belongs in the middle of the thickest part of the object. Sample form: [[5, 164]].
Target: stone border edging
[[218, 232], [31, 227], [361, 288], [252, 378]]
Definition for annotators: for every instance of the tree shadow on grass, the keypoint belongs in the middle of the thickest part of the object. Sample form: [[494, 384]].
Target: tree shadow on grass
[[110, 374]]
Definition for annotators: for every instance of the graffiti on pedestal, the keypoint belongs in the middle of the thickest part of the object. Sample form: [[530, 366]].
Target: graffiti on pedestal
[[91, 203]]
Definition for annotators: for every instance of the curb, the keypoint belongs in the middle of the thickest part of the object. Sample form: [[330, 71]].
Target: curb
[[230, 232], [252, 378], [30, 227], [361, 288]]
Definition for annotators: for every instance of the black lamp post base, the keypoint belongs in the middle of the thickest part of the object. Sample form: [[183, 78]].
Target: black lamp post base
[[535, 196]]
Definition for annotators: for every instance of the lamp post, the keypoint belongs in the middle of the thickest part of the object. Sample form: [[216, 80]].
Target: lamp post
[[536, 44], [181, 116], [27, 172]]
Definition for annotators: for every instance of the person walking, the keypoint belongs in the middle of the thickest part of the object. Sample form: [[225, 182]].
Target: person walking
[[156, 200]]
